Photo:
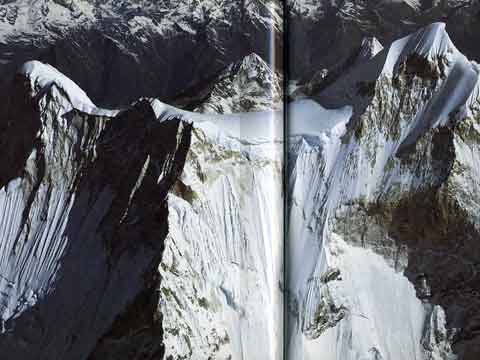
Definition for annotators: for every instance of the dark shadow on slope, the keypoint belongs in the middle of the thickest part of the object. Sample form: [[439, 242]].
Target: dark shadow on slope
[[116, 230]]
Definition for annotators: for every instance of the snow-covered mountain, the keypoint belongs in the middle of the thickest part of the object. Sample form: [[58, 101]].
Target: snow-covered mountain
[[246, 85], [92, 241], [152, 232], [158, 48], [49, 19], [222, 266], [221, 269], [383, 215]]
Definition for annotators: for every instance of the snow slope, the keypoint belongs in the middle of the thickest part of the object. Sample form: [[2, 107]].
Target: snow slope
[[221, 269], [43, 76]]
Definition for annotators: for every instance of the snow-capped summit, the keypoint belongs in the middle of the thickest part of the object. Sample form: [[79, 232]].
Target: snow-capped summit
[[427, 54], [247, 85], [324, 33], [431, 43]]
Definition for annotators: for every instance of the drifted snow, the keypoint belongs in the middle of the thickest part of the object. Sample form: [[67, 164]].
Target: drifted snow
[[310, 118], [255, 127], [43, 76]]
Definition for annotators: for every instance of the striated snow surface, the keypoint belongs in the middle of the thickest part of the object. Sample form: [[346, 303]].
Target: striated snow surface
[[222, 266]]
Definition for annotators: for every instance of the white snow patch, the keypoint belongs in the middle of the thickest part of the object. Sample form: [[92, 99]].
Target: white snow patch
[[43, 76]]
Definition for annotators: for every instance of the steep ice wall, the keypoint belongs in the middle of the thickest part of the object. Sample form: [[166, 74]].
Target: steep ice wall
[[80, 236], [222, 267], [381, 230]]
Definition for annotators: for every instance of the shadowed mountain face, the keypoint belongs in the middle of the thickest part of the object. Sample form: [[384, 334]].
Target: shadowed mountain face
[[324, 34], [81, 237]]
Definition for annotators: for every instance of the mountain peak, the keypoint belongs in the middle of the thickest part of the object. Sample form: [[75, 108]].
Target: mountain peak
[[430, 43], [432, 40], [246, 85], [251, 66], [253, 58]]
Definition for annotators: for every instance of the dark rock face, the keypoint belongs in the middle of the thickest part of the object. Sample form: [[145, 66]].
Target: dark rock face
[[137, 333], [159, 50], [90, 192]]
